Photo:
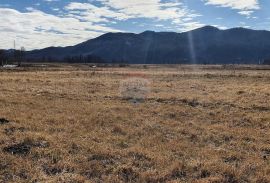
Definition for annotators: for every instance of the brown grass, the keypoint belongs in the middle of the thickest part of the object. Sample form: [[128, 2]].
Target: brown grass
[[197, 124]]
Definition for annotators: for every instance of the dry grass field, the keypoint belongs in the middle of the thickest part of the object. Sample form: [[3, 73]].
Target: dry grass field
[[76, 124]]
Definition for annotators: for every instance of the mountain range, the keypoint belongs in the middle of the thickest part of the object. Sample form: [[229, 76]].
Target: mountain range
[[206, 45]]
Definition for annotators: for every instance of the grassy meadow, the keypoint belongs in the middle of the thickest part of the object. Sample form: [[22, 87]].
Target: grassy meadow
[[76, 123]]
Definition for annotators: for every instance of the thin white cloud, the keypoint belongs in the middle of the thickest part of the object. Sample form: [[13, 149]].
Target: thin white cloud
[[50, 0], [245, 12], [187, 26], [236, 4], [245, 7], [89, 12], [30, 9], [148, 9]]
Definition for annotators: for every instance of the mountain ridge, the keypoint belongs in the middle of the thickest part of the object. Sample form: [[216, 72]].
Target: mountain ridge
[[204, 45]]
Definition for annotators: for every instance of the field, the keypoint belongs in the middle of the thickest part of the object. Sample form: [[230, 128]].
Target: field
[[76, 123]]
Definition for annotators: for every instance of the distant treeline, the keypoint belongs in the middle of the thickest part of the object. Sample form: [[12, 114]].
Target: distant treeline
[[12, 56], [97, 59], [20, 56], [68, 59], [75, 59]]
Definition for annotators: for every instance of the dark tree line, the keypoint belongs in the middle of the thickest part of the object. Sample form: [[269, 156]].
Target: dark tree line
[[2, 57], [12, 57], [68, 59], [83, 59]]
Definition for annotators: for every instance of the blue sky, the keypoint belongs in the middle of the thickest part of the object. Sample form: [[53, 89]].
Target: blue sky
[[37, 24]]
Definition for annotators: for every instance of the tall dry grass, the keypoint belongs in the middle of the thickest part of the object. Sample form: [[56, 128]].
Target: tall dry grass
[[196, 124]]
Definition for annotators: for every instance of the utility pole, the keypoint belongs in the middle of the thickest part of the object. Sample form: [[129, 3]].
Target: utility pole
[[14, 51]]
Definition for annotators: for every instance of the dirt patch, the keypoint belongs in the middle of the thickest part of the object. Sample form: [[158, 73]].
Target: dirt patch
[[52, 170], [141, 161], [3, 121], [129, 175], [12, 130], [104, 159], [18, 149], [25, 147], [40, 144]]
